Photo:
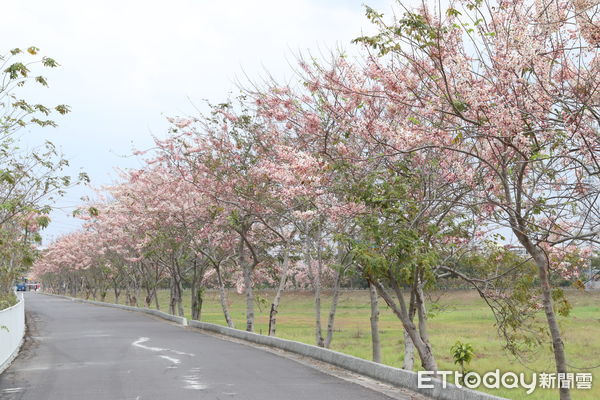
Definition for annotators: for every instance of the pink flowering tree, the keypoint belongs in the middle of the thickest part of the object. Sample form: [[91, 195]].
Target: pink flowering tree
[[510, 88], [216, 157], [306, 181], [337, 159]]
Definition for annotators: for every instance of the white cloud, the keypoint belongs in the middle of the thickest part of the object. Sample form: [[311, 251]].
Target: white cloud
[[127, 63]]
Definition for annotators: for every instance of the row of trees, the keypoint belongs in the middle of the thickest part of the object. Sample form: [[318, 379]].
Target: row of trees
[[460, 130], [30, 178]]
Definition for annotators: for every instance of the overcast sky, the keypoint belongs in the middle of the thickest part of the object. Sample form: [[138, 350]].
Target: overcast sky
[[127, 64]]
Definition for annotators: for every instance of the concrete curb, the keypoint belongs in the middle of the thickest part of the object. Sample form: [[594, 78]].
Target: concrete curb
[[384, 373], [391, 375]]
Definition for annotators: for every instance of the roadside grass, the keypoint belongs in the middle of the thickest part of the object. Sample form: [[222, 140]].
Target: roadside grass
[[7, 300], [462, 316]]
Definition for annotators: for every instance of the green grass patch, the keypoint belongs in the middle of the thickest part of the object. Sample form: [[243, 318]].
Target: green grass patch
[[7, 300]]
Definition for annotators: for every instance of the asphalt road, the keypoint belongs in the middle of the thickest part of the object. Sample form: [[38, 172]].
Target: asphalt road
[[78, 351]]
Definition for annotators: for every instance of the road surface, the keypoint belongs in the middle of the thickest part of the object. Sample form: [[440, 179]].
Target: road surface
[[77, 351]]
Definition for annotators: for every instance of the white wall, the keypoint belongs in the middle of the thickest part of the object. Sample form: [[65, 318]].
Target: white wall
[[12, 328]]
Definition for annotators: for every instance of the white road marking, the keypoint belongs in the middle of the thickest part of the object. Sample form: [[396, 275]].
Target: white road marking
[[71, 336], [67, 366], [31, 369], [138, 343], [12, 390], [192, 382], [173, 360]]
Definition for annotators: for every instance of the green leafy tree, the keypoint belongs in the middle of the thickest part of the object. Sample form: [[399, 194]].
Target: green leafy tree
[[402, 241], [463, 354], [30, 180]]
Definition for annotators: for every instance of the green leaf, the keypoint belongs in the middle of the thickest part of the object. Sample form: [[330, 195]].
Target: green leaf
[[41, 80], [16, 69], [414, 120], [49, 62], [63, 109]]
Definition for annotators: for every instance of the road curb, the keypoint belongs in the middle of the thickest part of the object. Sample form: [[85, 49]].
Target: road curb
[[391, 375], [384, 373]]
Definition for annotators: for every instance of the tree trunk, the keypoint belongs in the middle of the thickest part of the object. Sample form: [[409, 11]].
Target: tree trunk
[[422, 314], [275, 304], [155, 295], [117, 293], [409, 346], [541, 261], [316, 282], [137, 293], [375, 341], [247, 271], [197, 301], [333, 309], [176, 301], [557, 342], [131, 297], [223, 299], [180, 311], [423, 348], [249, 299], [318, 328], [148, 298], [73, 285], [172, 297], [409, 353], [193, 293]]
